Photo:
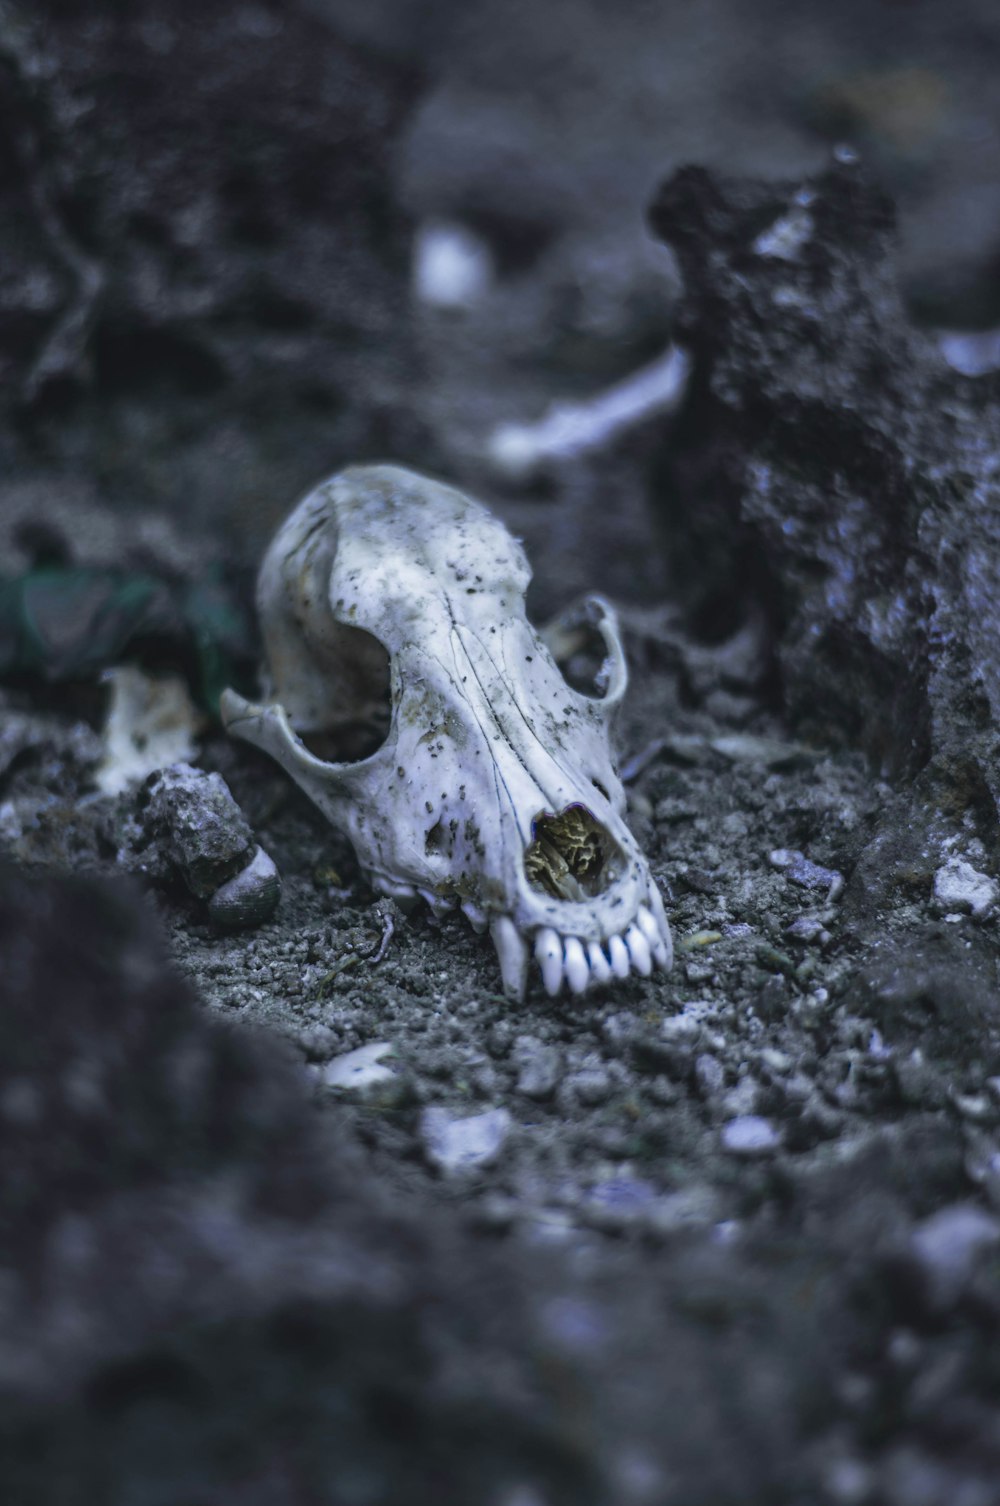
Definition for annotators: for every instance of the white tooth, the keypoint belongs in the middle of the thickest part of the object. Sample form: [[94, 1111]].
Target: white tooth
[[638, 950], [512, 953], [476, 916], [600, 968], [548, 950], [647, 925], [660, 916], [575, 965], [619, 957]]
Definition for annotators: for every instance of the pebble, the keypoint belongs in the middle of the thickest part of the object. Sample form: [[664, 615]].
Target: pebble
[[960, 887], [804, 872], [186, 820], [458, 1145], [591, 1086], [539, 1067], [250, 898], [364, 1077], [618, 1202], [749, 1136], [355, 1071], [710, 1076], [805, 928], [946, 1246]]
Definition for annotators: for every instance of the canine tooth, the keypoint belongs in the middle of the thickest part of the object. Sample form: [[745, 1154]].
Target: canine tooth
[[512, 954], [600, 968], [638, 950], [647, 925], [660, 916], [548, 950], [575, 965], [619, 957]]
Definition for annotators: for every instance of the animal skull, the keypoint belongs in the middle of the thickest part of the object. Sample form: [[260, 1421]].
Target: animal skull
[[494, 788]]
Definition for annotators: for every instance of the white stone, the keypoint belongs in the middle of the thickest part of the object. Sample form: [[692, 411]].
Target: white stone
[[452, 266], [947, 1245], [749, 1135], [960, 887], [458, 1145], [357, 1071]]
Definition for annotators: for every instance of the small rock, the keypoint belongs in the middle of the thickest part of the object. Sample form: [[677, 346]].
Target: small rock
[[250, 898], [946, 1247], [741, 1101], [804, 872], [709, 1075], [187, 821], [591, 1086], [772, 1000], [618, 1202], [457, 1145], [805, 928], [357, 1071], [540, 1067], [750, 1136], [960, 887]]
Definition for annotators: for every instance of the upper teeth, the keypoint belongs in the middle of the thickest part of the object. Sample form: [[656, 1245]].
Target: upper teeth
[[644, 944]]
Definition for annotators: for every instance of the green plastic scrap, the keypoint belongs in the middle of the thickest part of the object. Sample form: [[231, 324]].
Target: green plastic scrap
[[59, 623]]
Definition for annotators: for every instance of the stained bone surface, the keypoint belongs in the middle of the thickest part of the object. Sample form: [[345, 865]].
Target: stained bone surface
[[392, 609]]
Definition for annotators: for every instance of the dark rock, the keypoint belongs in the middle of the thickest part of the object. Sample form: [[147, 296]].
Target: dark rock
[[837, 472], [249, 898], [186, 1257], [196, 276], [186, 821], [936, 988]]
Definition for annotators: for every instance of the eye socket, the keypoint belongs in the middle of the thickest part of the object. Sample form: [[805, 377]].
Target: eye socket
[[345, 715], [584, 661]]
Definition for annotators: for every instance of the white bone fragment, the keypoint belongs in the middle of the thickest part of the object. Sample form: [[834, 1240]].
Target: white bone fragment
[[520, 451]]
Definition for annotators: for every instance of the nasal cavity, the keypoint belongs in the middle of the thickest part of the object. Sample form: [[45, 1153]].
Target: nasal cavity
[[571, 856]]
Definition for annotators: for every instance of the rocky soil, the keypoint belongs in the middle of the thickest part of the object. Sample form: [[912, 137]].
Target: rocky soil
[[305, 1210]]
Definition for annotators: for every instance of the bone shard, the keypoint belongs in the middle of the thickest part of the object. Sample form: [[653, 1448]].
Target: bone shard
[[408, 695]]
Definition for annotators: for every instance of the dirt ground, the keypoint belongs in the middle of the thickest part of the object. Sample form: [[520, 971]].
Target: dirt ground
[[725, 1235]]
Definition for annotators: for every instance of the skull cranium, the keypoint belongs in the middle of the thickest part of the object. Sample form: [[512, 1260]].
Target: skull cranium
[[493, 787]]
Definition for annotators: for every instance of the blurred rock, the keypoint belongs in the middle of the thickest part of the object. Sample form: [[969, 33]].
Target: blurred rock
[[847, 479], [201, 250]]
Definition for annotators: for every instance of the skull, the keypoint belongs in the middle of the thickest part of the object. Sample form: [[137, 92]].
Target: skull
[[392, 609]]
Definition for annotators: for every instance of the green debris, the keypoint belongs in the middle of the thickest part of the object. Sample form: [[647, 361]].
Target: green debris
[[774, 961], [59, 623], [698, 939]]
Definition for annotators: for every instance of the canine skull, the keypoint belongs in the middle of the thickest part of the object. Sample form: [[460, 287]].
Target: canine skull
[[388, 594]]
